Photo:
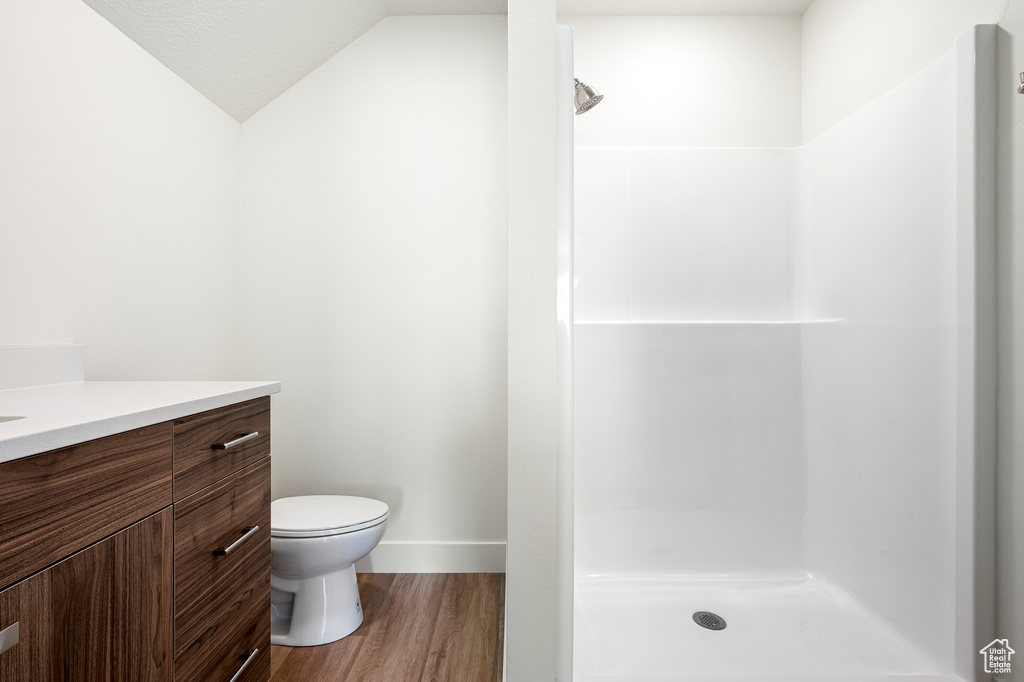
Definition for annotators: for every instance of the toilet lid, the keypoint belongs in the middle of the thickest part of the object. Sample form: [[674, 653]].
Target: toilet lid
[[319, 515]]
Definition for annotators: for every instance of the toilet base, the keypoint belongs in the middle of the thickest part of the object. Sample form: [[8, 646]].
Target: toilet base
[[313, 611]]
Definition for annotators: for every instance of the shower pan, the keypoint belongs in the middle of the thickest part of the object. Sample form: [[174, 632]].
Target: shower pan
[[777, 414]]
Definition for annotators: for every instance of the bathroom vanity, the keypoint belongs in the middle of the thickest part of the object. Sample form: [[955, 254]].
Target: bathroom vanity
[[143, 555]]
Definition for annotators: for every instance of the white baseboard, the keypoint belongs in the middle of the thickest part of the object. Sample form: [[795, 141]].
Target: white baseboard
[[435, 557]]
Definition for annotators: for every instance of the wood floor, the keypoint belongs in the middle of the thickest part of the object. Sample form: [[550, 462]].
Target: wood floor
[[417, 627]]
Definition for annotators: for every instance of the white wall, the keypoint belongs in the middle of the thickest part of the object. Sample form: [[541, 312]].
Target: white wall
[[880, 256], [856, 50], [565, 515], [685, 234], [533, 644], [678, 408], [688, 415], [697, 81], [374, 282], [689, 444], [118, 201]]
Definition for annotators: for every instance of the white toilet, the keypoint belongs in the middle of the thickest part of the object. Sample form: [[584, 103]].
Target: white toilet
[[314, 542]]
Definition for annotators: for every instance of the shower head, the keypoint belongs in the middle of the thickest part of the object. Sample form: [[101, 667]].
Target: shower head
[[586, 97]]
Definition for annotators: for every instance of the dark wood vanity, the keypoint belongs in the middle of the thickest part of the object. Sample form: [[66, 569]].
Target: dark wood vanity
[[141, 557]]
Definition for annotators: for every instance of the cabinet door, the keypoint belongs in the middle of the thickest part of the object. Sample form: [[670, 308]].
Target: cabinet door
[[101, 614]]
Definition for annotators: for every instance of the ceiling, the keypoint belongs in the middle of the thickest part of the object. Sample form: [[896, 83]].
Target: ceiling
[[242, 54], [646, 8]]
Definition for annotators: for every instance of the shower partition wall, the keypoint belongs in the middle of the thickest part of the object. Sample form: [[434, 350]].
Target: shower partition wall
[[783, 397]]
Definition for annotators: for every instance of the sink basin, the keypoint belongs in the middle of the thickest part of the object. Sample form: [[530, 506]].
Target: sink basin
[[9, 419]]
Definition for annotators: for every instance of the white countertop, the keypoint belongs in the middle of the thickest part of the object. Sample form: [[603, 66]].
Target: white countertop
[[59, 415]]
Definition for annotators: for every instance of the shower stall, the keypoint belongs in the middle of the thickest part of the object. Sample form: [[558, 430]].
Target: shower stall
[[777, 394]]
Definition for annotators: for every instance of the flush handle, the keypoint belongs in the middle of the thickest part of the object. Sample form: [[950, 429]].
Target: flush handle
[[248, 656], [237, 441], [246, 534], [8, 637]]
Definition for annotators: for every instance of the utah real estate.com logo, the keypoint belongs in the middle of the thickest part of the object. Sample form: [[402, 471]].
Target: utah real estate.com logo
[[997, 656]]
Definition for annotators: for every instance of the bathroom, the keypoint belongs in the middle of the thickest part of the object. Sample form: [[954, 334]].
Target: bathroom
[[379, 235]]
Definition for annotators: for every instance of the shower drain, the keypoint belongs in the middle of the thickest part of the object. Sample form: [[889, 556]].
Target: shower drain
[[711, 621]]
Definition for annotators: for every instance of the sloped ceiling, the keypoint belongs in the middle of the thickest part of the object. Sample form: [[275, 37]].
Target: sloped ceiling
[[242, 54]]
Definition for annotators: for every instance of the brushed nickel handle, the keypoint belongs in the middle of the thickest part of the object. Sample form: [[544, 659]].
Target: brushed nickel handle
[[8, 637], [246, 534], [249, 655], [237, 441]]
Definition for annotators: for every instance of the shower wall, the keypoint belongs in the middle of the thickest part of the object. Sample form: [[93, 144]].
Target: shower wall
[[670, 235], [688, 441], [690, 81], [880, 254], [687, 356], [775, 358], [688, 401], [887, 250]]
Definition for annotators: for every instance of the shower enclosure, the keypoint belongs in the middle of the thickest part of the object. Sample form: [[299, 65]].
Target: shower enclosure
[[780, 381]]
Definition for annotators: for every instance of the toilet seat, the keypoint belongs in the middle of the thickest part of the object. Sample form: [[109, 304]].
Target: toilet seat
[[315, 516]]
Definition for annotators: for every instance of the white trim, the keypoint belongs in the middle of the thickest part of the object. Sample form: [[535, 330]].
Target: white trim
[[975, 361], [435, 557]]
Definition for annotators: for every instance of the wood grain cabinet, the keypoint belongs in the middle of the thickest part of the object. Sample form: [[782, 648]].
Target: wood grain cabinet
[[215, 444], [141, 557], [103, 613], [221, 546]]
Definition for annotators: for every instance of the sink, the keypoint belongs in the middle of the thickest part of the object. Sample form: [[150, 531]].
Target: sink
[[9, 419]]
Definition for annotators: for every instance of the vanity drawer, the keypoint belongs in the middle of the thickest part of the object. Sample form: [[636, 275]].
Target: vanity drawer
[[217, 553], [211, 445], [228, 644], [58, 502]]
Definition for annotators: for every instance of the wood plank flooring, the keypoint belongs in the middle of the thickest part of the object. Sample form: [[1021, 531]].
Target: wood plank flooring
[[417, 627]]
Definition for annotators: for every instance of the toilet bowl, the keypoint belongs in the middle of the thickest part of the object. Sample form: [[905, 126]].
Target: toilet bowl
[[315, 541]]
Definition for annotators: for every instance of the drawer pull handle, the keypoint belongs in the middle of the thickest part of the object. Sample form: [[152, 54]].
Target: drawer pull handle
[[248, 656], [246, 534], [237, 441], [8, 637]]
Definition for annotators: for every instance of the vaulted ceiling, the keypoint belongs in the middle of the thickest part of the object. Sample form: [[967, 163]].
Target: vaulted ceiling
[[242, 54]]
